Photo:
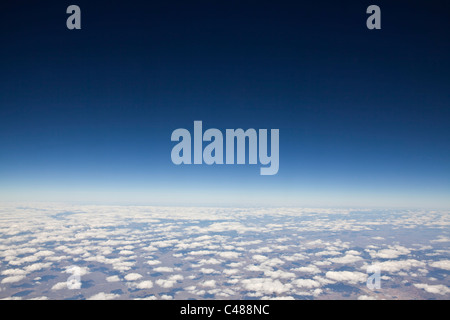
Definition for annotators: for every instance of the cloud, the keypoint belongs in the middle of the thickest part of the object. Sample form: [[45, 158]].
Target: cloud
[[209, 261], [103, 296], [13, 272], [145, 285], [208, 270], [122, 265], [40, 298], [306, 283], [327, 253], [165, 283], [441, 239], [308, 269], [133, 276], [294, 257], [230, 272], [113, 279], [13, 279], [80, 271], [391, 253], [259, 258], [434, 289], [365, 297], [37, 266], [163, 269], [152, 297], [265, 286], [176, 277], [60, 285], [44, 253], [279, 274], [278, 298], [347, 259], [347, 276], [153, 262], [226, 226], [398, 265], [229, 254], [443, 264], [126, 252], [275, 261], [208, 283]]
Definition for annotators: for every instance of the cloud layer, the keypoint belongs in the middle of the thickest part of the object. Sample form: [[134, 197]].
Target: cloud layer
[[60, 251]]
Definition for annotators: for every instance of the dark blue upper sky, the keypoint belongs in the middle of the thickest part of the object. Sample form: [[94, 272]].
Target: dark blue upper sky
[[364, 115]]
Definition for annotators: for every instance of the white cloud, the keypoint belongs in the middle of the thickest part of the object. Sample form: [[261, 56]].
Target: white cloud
[[347, 276], [145, 284], [163, 269], [105, 237], [306, 283], [265, 286], [273, 262], [295, 257], [347, 259], [435, 289], [323, 263], [398, 265], [126, 252], [278, 298], [60, 285], [327, 253], [209, 261], [113, 279], [229, 254], [441, 239], [308, 269], [279, 274], [208, 283], [133, 276], [259, 258], [122, 265], [37, 266], [103, 296], [391, 253], [13, 272], [200, 252], [317, 292], [80, 271], [12, 279], [365, 297], [176, 277], [208, 270], [152, 297], [44, 253], [443, 264], [40, 298], [165, 283], [230, 272]]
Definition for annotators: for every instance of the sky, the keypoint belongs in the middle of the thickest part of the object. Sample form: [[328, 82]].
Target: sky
[[364, 115]]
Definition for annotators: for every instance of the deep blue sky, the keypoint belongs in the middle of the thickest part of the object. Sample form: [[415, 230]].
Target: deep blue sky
[[364, 115]]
